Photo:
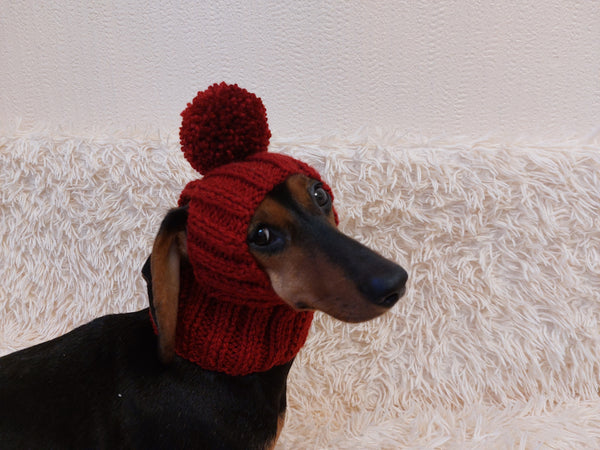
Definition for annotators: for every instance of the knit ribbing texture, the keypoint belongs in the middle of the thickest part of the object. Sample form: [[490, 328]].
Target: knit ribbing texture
[[230, 318]]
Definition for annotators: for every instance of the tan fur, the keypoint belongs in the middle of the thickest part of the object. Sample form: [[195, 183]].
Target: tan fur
[[317, 286], [299, 187], [169, 247], [297, 274]]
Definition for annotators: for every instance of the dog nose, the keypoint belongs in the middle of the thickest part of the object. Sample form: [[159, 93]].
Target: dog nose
[[386, 289]]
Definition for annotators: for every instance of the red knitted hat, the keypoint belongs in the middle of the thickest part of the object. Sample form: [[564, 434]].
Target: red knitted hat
[[230, 319]]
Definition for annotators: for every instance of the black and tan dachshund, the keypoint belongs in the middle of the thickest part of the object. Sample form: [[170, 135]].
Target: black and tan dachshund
[[103, 384]]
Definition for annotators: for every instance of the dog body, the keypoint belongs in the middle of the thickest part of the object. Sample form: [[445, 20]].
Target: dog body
[[104, 385]]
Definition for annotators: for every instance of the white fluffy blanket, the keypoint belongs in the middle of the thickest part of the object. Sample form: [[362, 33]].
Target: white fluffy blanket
[[495, 345]]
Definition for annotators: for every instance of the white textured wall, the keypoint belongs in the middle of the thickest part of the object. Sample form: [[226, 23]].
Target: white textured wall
[[436, 68]]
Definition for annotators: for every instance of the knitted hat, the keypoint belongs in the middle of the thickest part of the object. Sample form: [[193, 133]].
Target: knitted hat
[[230, 319]]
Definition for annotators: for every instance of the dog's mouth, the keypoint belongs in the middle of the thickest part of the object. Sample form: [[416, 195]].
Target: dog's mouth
[[351, 308], [301, 306], [340, 297], [347, 295]]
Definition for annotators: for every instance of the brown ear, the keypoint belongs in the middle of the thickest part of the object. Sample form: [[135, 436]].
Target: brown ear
[[169, 247]]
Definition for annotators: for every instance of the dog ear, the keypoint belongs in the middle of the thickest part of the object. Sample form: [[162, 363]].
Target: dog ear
[[169, 247]]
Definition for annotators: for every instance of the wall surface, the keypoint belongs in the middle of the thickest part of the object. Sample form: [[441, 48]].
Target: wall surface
[[505, 69]]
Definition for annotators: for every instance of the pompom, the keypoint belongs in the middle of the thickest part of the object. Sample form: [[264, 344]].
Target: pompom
[[223, 124]]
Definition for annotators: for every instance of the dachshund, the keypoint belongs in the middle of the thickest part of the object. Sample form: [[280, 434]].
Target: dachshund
[[105, 384]]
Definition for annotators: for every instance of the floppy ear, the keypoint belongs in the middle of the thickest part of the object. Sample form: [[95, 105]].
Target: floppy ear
[[169, 247]]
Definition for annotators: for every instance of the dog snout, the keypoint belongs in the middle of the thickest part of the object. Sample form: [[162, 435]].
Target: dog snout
[[380, 282], [385, 289]]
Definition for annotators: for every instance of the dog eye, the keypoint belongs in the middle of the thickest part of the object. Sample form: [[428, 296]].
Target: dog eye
[[262, 236], [321, 196]]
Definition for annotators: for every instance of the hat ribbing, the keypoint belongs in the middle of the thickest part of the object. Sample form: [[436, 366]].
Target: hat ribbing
[[221, 206]]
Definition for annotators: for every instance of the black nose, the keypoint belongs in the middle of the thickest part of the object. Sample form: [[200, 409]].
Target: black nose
[[385, 289]]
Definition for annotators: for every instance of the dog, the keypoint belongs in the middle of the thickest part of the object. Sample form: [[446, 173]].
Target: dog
[[105, 384]]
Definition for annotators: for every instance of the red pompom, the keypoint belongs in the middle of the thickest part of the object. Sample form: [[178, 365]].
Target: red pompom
[[223, 124]]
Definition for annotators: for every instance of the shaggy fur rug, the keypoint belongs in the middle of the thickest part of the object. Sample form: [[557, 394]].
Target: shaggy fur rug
[[495, 345]]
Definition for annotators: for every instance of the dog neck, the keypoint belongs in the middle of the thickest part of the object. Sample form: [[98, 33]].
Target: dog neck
[[233, 337]]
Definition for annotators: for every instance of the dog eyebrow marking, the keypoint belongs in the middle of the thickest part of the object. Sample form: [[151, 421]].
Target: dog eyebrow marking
[[295, 197], [282, 195]]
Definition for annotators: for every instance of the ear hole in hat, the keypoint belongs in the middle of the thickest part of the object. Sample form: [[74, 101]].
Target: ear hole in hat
[[169, 247]]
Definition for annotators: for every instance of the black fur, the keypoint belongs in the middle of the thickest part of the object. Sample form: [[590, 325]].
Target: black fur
[[102, 386]]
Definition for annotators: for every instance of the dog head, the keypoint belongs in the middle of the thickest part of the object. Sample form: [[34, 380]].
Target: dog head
[[259, 229]]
